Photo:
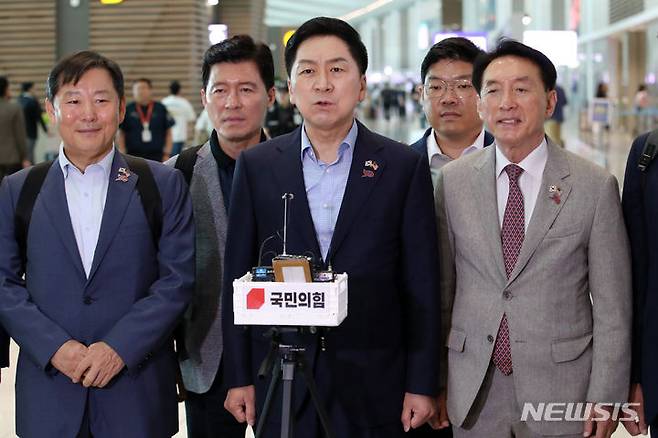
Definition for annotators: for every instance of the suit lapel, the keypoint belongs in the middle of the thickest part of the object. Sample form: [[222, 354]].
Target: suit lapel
[[546, 207], [211, 193], [289, 175], [358, 186], [484, 189], [53, 197], [119, 194]]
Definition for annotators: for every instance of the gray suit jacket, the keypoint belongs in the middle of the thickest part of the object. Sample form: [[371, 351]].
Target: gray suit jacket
[[202, 324], [568, 300], [13, 146]]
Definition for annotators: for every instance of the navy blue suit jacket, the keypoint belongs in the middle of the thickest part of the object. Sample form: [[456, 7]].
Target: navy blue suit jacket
[[132, 300], [4, 348], [385, 239], [641, 216], [421, 145]]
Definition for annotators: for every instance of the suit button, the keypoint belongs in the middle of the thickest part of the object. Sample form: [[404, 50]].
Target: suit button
[[507, 295], [490, 339], [88, 300]]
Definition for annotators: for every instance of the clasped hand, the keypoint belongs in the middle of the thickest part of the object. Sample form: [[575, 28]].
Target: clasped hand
[[95, 365]]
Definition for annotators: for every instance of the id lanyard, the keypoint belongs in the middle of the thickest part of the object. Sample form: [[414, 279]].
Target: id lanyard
[[146, 120]]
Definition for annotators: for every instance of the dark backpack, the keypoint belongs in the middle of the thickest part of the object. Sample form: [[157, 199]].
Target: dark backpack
[[649, 152], [186, 161], [146, 187]]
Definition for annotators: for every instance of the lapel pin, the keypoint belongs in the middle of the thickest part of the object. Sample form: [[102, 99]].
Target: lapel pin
[[554, 193], [372, 164], [123, 175], [367, 173]]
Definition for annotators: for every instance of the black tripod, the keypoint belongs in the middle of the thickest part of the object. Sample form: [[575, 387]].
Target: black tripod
[[290, 358]]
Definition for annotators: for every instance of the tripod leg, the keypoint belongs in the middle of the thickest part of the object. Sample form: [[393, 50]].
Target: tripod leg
[[274, 383], [313, 389], [286, 407]]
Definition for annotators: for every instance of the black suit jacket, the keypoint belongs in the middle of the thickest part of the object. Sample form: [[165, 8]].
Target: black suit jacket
[[4, 349], [421, 145], [641, 215], [385, 239]]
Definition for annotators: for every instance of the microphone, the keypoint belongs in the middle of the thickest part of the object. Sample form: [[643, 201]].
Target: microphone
[[287, 197]]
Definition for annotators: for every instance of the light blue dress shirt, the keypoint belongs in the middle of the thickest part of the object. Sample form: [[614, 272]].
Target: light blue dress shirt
[[85, 195], [325, 185]]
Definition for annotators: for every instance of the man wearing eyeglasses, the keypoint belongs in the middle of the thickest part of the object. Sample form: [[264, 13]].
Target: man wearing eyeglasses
[[450, 104]]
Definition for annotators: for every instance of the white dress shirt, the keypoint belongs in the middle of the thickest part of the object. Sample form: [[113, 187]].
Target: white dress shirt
[[529, 182], [85, 195], [438, 159]]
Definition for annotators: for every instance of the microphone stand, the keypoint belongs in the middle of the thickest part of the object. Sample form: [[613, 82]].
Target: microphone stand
[[290, 359]]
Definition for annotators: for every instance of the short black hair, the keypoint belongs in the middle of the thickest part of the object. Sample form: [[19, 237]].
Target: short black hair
[[26, 86], [325, 26], [4, 84], [174, 87], [511, 47], [73, 67], [240, 48], [455, 48], [147, 81]]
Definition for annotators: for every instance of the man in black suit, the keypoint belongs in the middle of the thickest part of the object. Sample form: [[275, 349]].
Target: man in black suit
[[363, 204], [450, 104], [4, 350], [641, 216]]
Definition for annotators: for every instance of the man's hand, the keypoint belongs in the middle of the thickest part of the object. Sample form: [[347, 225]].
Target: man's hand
[[416, 410], [241, 403], [597, 427], [98, 367], [440, 418], [68, 357], [640, 427]]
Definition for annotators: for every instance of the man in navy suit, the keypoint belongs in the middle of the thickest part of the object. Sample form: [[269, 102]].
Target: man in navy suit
[[641, 216], [102, 292], [363, 204], [450, 104], [4, 350]]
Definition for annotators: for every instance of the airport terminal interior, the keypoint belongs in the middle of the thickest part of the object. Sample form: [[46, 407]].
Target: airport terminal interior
[[605, 52]]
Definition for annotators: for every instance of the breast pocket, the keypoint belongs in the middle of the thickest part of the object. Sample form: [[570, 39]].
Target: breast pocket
[[561, 231]]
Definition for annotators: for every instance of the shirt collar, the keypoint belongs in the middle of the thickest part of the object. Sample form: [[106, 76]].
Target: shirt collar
[[105, 163], [223, 160], [533, 164], [348, 142], [433, 147]]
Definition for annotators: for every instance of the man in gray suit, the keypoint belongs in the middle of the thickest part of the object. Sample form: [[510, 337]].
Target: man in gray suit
[[238, 87], [13, 147], [536, 269]]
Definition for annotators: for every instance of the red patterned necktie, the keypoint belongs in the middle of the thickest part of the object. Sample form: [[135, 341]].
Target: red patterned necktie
[[512, 234]]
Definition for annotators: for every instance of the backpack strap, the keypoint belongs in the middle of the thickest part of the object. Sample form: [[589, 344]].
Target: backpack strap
[[25, 204], [146, 187], [186, 161], [649, 152], [150, 194]]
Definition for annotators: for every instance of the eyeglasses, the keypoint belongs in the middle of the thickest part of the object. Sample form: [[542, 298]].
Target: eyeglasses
[[437, 87]]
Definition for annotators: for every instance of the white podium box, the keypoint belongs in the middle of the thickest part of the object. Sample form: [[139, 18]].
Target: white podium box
[[289, 304]]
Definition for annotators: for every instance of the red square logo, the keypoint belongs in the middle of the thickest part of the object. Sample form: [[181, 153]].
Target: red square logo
[[255, 298]]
